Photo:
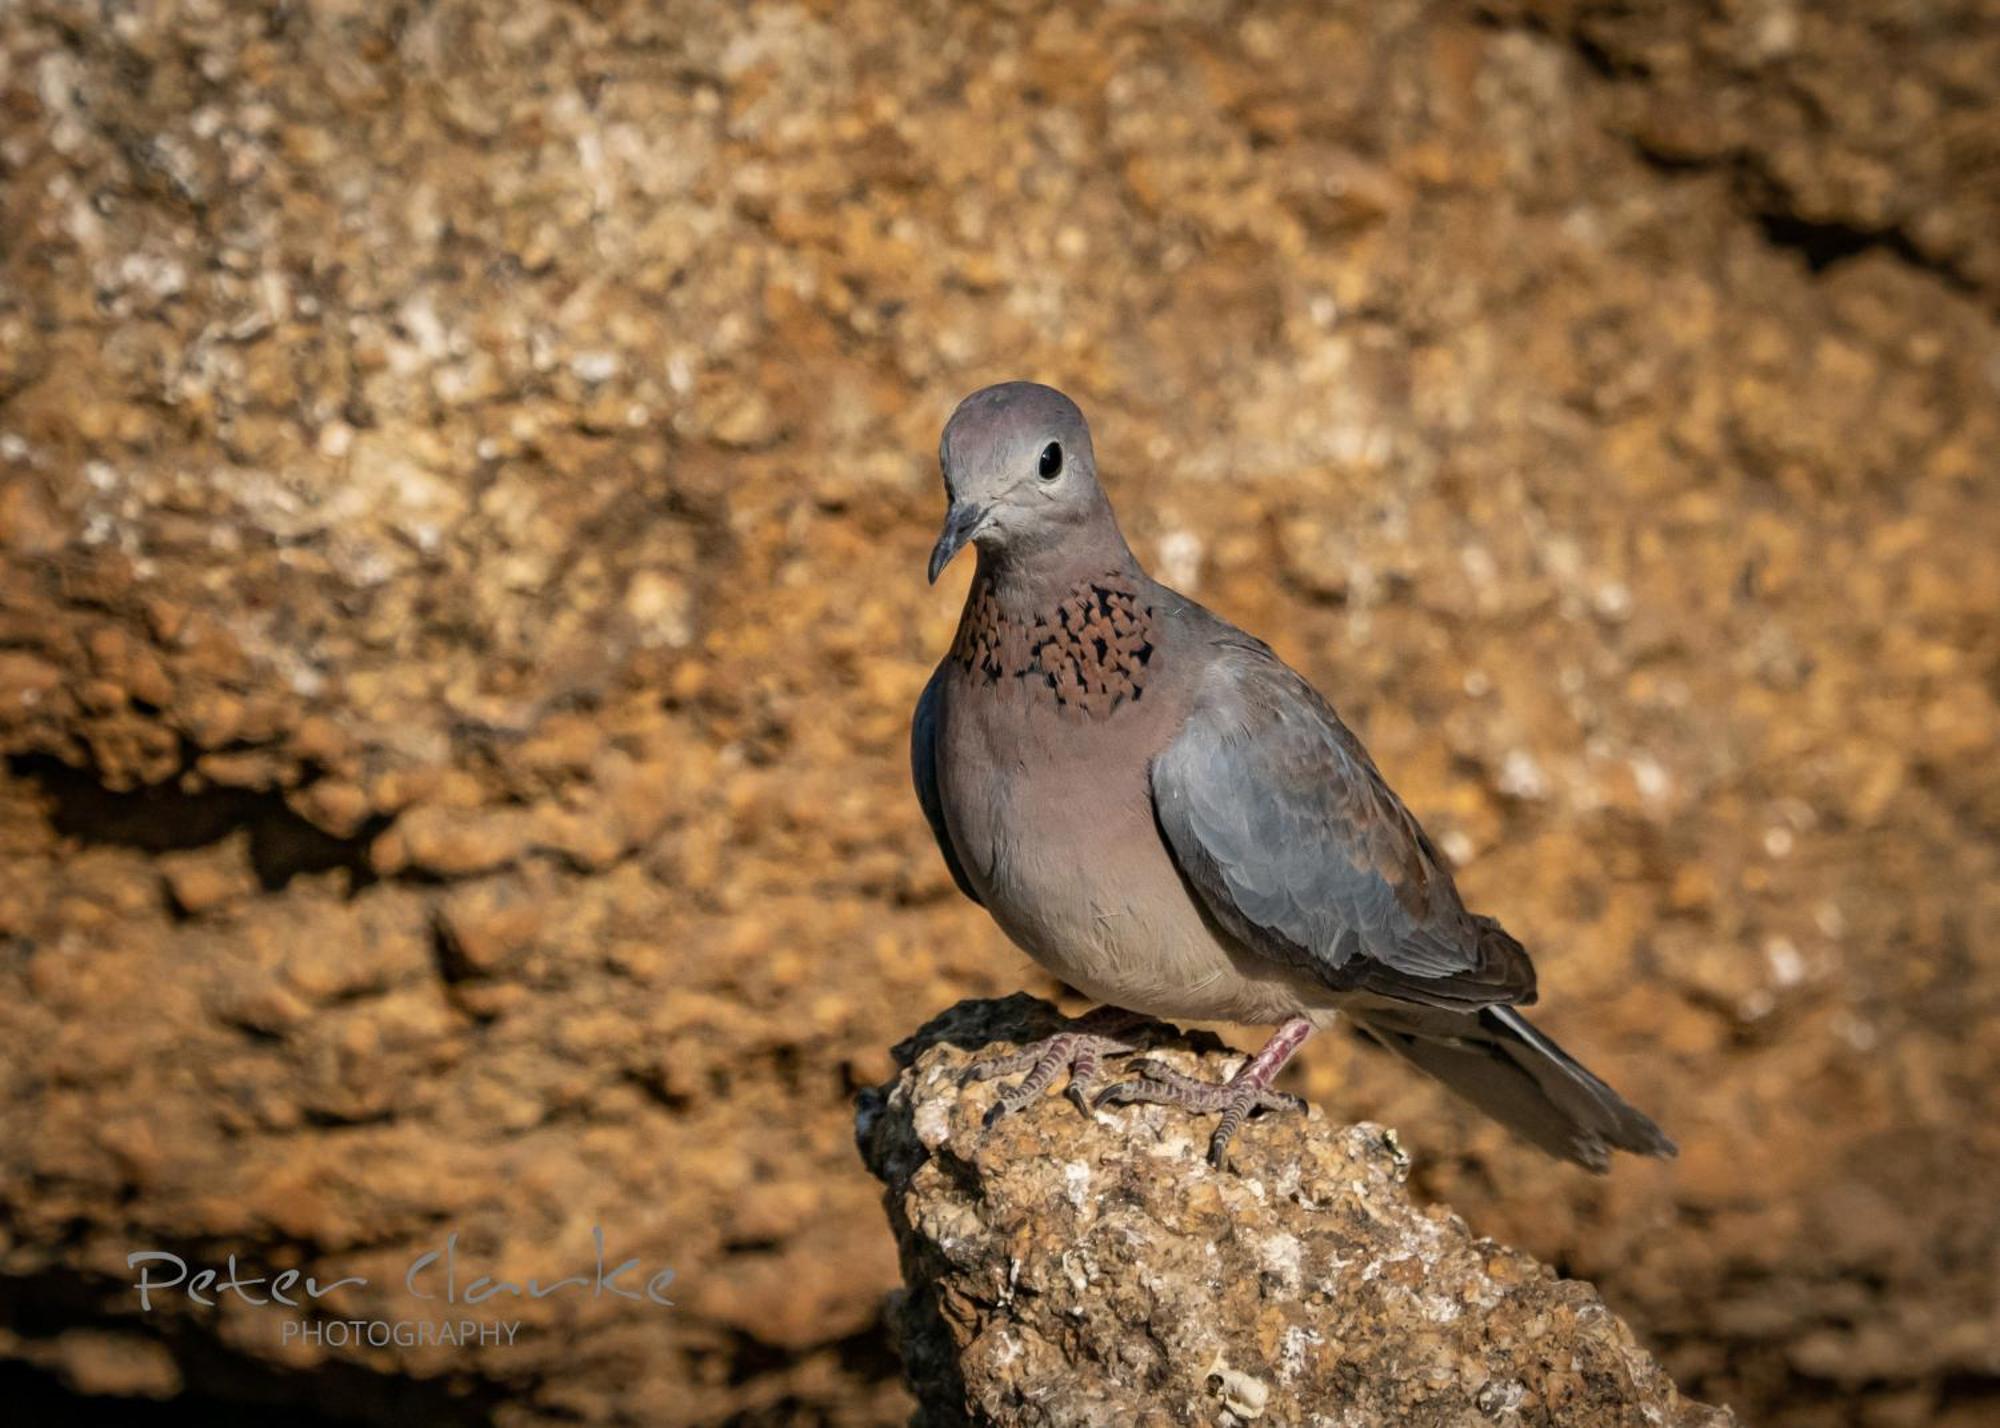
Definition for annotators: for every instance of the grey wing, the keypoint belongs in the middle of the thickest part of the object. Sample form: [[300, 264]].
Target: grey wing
[[1298, 850], [923, 772]]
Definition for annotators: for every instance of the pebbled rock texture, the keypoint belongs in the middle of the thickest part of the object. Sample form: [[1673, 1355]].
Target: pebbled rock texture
[[1063, 1269]]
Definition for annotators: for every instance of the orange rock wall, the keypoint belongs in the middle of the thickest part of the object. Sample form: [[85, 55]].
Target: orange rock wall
[[465, 473]]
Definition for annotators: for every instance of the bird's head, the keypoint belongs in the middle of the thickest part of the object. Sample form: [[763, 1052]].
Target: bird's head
[[1019, 473]]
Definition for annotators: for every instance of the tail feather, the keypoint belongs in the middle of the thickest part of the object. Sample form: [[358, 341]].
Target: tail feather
[[1495, 1059]]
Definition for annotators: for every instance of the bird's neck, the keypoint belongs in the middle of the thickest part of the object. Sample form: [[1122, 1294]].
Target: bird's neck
[[1024, 582], [1072, 629]]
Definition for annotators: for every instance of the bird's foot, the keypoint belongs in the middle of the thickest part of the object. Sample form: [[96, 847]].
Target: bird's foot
[[1080, 1051], [1236, 1099]]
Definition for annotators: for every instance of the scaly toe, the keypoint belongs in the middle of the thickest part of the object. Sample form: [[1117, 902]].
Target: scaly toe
[[1155, 1083], [1251, 1098], [1001, 1065], [1080, 1053], [1237, 1099], [1005, 1104]]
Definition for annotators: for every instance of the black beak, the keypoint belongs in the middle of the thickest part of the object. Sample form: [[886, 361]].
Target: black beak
[[959, 523]]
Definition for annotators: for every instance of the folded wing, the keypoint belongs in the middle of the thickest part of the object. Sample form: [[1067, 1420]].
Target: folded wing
[[1295, 847]]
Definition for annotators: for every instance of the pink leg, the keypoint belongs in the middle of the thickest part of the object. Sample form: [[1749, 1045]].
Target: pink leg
[[1249, 1090]]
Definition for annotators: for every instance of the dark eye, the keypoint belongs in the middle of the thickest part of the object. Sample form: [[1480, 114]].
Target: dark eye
[[1052, 461]]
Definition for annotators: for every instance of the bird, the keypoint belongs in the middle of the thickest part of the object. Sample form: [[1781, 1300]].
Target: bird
[[1171, 820]]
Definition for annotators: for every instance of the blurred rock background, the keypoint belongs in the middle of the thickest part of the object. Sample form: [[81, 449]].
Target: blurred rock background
[[465, 470]]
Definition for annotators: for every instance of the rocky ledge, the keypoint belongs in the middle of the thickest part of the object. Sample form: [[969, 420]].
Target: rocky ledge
[[1080, 1270]]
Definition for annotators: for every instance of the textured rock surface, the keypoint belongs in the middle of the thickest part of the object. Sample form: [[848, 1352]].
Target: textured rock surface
[[465, 472], [1072, 1270]]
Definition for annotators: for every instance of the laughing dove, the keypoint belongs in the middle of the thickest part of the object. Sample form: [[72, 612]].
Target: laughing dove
[[1172, 821]]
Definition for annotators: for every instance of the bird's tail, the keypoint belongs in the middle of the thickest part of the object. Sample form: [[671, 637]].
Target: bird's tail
[[1496, 1059]]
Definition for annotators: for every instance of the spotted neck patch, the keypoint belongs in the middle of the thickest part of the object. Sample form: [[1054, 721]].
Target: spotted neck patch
[[1087, 654]]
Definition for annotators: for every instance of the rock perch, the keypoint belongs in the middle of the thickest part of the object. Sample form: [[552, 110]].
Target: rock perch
[[1070, 1270]]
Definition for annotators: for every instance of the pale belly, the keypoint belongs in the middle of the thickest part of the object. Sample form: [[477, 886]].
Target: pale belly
[[1071, 865]]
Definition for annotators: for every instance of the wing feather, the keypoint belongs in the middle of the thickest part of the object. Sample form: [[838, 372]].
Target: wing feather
[[1296, 847]]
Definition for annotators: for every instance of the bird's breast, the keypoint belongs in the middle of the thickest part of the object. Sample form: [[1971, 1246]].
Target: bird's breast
[[1086, 653], [1052, 819]]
